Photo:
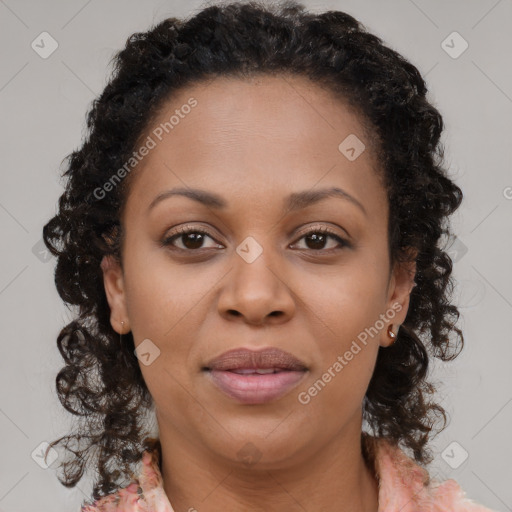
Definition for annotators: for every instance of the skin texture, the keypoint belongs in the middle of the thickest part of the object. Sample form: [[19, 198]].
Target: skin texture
[[254, 142]]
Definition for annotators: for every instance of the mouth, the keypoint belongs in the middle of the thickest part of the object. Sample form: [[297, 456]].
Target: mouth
[[255, 377]]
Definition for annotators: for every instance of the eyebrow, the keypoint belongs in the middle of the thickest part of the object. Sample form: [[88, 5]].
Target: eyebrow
[[295, 201]]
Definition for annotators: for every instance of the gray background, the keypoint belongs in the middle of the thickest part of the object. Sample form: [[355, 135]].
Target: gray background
[[43, 104]]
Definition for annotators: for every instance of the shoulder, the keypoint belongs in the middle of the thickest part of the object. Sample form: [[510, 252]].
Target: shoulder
[[406, 486], [126, 500], [144, 494]]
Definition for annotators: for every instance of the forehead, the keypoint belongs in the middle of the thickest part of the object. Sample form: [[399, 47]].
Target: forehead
[[263, 131], [265, 105]]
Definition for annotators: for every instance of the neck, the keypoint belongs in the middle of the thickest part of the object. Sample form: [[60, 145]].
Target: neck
[[335, 475]]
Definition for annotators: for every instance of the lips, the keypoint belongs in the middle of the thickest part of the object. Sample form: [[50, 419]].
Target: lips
[[245, 359], [255, 377]]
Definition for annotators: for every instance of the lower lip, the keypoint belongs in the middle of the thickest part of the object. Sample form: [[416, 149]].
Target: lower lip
[[256, 388]]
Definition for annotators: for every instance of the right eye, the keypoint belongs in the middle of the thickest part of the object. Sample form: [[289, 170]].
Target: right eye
[[190, 243]]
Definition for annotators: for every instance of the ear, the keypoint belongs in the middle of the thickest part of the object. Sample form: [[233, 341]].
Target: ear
[[113, 281], [400, 286]]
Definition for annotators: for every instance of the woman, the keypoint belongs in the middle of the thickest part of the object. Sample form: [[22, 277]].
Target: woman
[[252, 232]]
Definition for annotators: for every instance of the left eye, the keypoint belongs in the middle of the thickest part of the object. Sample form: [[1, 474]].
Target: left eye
[[192, 239], [318, 236]]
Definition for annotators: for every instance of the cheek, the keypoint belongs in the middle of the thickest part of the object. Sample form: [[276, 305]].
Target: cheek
[[161, 295], [344, 316], [341, 303]]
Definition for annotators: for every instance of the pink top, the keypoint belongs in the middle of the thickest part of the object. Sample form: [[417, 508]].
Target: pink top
[[403, 486]]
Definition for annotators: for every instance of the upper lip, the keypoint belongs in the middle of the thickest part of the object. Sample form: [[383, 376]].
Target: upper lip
[[243, 358]]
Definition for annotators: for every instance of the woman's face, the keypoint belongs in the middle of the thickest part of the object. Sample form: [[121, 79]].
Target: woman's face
[[263, 275]]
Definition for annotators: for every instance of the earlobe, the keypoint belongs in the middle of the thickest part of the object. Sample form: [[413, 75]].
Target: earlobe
[[113, 281]]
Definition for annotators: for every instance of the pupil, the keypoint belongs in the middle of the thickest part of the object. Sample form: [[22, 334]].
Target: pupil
[[316, 238], [196, 240]]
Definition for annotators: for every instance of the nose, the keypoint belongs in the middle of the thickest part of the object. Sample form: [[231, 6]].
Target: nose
[[256, 293]]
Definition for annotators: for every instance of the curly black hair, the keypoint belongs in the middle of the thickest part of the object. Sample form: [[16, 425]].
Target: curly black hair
[[101, 381]]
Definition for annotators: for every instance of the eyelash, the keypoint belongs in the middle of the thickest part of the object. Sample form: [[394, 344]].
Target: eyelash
[[185, 230]]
